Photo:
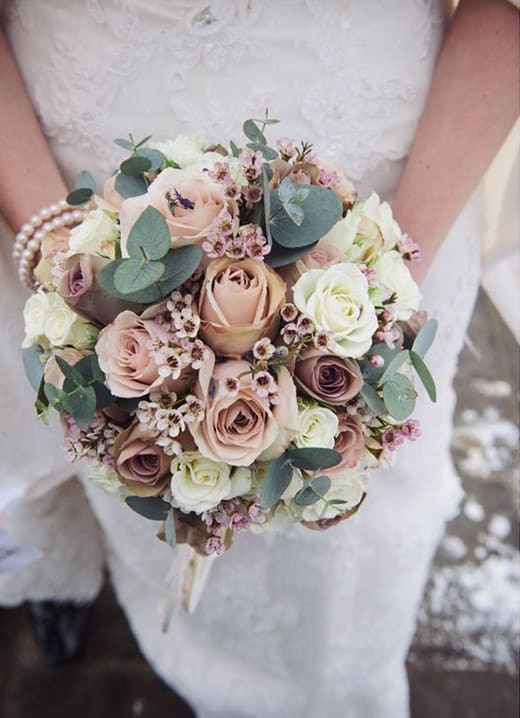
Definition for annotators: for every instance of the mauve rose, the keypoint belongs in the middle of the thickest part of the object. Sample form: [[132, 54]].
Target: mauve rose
[[79, 287], [328, 378], [239, 303], [141, 465], [238, 429], [187, 199], [350, 442]]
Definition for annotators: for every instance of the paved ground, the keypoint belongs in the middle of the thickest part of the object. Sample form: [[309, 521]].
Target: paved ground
[[465, 655]]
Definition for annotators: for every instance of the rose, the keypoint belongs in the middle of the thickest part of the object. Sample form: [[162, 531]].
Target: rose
[[328, 378], [97, 234], [239, 426], [323, 254], [52, 244], [187, 150], [110, 193], [348, 487], [124, 354], [340, 185], [239, 303], [349, 442], [140, 464], [337, 300], [317, 426], [187, 199], [52, 372], [80, 289], [199, 484], [368, 230], [393, 276], [50, 322]]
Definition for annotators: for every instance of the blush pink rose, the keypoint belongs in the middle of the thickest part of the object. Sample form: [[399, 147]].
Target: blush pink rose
[[328, 378], [350, 442], [141, 465], [239, 303], [239, 428], [187, 199]]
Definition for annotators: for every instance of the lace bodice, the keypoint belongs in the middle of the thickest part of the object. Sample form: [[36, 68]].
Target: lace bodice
[[330, 71]]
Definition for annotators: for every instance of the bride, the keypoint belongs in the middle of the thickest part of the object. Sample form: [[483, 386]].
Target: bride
[[302, 623]]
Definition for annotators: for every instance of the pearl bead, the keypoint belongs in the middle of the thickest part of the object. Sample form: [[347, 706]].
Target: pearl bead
[[39, 235]]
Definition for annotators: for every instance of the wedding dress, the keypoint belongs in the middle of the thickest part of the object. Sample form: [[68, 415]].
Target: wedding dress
[[299, 623]]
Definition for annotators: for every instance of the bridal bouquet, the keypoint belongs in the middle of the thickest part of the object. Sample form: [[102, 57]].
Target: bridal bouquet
[[230, 335]]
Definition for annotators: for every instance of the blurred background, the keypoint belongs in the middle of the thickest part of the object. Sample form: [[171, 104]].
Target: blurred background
[[464, 659]]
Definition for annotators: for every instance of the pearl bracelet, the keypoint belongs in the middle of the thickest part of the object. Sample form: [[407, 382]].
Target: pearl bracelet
[[28, 241]]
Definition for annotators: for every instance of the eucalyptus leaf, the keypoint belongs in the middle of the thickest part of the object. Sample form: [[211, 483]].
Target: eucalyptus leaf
[[322, 209], [33, 365], [70, 372], [424, 375], [313, 458], [399, 396], [83, 405], [281, 256], [252, 132], [79, 196], [266, 204], [169, 529], [425, 337], [130, 186], [314, 491], [286, 190], [275, 482], [149, 236], [295, 212], [143, 141], [373, 400], [134, 274], [135, 165], [85, 181], [268, 153], [234, 149], [397, 362], [155, 157], [151, 507], [125, 144]]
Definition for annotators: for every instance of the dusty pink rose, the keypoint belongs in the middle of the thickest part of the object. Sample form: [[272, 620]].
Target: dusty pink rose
[[52, 373], [239, 303], [350, 442], [240, 427], [188, 200], [125, 356], [328, 378], [141, 465]]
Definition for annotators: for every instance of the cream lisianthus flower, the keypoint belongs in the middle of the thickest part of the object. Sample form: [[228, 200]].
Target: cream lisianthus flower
[[337, 300], [318, 426], [393, 276], [368, 230], [199, 484], [97, 234]]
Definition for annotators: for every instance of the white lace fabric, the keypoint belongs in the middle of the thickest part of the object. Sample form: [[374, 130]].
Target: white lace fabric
[[300, 623]]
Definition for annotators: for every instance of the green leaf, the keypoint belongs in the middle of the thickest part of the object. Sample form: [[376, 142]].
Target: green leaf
[[425, 337], [322, 209], [169, 529], [149, 236], [276, 481], [373, 400], [267, 204], [156, 158], [143, 141], [286, 190], [90, 370], [130, 186], [85, 181], [134, 274], [125, 144], [33, 365], [79, 196], [424, 375], [394, 366], [313, 458], [70, 372], [295, 212], [252, 132], [280, 256], [151, 507], [135, 165], [315, 490], [234, 149], [399, 396], [268, 153], [83, 405]]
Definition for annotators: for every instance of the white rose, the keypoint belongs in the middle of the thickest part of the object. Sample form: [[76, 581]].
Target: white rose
[[348, 487], [394, 276], [199, 484], [368, 230], [318, 426], [188, 151], [83, 334], [34, 315], [97, 235], [107, 479], [337, 300]]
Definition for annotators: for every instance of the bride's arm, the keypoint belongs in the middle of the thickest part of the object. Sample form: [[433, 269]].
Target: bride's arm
[[472, 104], [29, 176]]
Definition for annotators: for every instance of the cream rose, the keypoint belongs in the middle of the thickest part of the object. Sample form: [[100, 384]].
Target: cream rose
[[97, 234], [199, 484], [186, 151], [239, 303], [49, 321], [394, 276], [239, 426], [349, 487], [317, 426], [188, 200], [368, 230], [337, 301]]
